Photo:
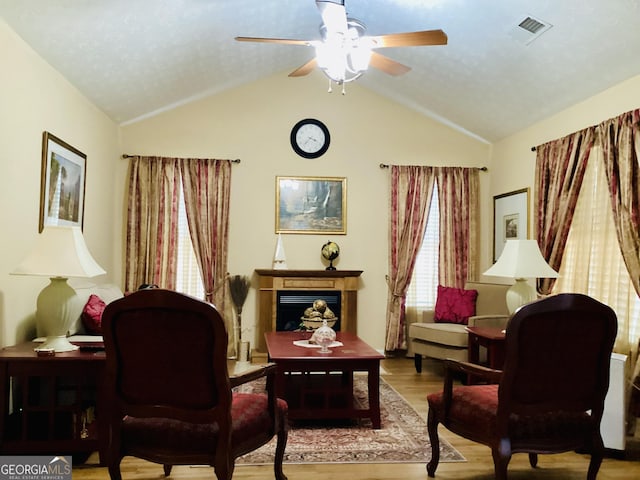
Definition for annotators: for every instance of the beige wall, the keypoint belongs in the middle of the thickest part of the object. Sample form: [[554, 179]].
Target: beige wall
[[35, 98], [513, 162], [253, 123]]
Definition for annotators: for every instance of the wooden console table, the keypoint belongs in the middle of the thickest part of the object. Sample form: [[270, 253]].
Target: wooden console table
[[272, 281], [51, 398]]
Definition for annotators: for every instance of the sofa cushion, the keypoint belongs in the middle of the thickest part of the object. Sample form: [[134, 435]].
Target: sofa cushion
[[455, 305], [451, 334], [84, 288], [92, 315]]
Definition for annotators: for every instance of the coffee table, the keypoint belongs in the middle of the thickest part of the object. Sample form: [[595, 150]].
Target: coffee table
[[320, 385]]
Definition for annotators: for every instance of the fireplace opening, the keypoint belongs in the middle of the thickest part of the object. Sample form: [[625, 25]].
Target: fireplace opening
[[291, 305]]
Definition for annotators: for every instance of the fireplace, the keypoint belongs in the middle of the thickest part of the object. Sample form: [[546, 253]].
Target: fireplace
[[291, 304], [283, 286]]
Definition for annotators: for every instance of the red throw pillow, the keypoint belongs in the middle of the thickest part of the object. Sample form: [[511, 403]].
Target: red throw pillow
[[92, 315], [455, 305]]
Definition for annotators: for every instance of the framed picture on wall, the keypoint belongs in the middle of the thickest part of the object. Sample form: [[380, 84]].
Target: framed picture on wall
[[311, 205], [62, 183], [510, 219]]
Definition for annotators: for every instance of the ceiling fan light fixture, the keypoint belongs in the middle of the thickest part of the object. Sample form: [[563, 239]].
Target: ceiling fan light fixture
[[344, 52], [344, 56], [360, 54], [332, 61]]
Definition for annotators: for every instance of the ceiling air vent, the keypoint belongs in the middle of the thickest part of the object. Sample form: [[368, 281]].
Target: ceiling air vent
[[528, 29]]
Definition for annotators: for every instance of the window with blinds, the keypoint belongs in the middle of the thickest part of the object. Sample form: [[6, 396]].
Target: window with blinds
[[424, 281], [188, 277]]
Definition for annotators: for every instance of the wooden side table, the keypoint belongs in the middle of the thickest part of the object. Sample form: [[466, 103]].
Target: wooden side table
[[51, 400], [490, 338]]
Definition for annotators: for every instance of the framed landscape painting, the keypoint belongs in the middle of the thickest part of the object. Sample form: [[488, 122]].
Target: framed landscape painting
[[62, 183], [311, 205], [510, 219]]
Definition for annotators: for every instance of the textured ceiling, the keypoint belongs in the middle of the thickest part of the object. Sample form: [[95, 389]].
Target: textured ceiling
[[136, 57]]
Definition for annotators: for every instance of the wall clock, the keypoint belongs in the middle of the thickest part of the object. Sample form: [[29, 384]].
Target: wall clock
[[310, 138]]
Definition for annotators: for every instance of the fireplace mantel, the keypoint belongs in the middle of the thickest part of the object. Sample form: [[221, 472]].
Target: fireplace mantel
[[272, 281]]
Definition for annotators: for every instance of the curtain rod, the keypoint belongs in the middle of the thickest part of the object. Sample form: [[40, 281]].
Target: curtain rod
[[125, 155], [482, 169]]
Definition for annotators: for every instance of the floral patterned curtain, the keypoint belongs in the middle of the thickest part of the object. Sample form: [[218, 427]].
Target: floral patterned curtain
[[207, 188], [458, 197], [411, 190], [152, 222], [620, 139], [560, 167]]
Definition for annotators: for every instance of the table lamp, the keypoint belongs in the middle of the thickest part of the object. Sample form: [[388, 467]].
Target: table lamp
[[59, 253], [521, 259]]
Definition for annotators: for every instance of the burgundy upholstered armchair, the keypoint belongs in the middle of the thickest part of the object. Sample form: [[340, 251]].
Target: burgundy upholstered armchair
[[549, 398], [169, 395]]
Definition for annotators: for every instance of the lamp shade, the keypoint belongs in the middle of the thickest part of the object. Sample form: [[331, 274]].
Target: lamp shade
[[60, 252], [521, 259]]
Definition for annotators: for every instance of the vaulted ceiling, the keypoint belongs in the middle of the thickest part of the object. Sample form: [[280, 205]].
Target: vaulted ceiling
[[136, 57]]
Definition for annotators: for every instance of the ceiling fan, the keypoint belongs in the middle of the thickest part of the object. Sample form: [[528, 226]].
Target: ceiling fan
[[344, 53]]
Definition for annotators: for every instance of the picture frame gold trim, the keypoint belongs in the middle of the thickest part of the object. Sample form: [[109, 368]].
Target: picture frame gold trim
[[311, 205], [510, 219], [62, 183]]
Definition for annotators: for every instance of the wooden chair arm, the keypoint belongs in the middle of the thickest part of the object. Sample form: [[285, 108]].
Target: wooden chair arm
[[488, 374], [250, 373]]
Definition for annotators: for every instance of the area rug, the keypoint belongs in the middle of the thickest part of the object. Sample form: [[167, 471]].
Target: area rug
[[403, 437]]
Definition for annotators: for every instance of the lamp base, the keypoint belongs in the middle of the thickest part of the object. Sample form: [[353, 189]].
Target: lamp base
[[58, 344], [53, 314], [519, 294]]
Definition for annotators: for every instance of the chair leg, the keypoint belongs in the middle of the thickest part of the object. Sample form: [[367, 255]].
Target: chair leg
[[594, 466], [114, 470], [597, 453], [224, 470], [282, 436], [500, 463], [417, 360], [432, 428]]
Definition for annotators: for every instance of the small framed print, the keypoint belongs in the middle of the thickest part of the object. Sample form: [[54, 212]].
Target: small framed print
[[311, 205], [510, 219], [62, 183]]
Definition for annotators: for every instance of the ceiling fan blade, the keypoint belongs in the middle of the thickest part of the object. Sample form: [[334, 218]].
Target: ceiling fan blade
[[387, 65], [304, 69], [334, 16], [411, 39], [287, 41]]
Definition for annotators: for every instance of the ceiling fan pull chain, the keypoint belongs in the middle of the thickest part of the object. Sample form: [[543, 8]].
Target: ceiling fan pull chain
[[344, 87], [330, 89]]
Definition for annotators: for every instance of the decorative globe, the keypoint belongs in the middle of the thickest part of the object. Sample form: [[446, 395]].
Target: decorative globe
[[330, 251]]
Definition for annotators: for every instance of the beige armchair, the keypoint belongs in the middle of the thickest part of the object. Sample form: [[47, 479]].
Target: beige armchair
[[450, 340]]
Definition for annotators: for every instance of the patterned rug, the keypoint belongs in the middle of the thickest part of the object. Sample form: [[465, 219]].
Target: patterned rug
[[403, 437]]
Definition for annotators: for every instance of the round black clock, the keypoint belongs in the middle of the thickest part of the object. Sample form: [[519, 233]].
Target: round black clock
[[310, 138]]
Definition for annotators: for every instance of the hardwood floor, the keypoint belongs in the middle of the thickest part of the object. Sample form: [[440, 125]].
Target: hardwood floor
[[414, 387]]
